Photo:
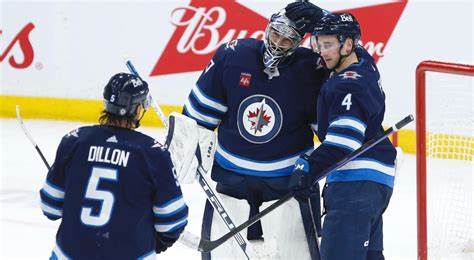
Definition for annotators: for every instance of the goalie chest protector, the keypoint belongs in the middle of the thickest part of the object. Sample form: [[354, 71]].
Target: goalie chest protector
[[264, 124]]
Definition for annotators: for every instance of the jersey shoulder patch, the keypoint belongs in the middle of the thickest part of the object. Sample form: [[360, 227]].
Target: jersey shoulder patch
[[231, 45], [350, 74], [73, 133], [157, 144]]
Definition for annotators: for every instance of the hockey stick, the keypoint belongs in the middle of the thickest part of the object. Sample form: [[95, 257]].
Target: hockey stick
[[204, 182], [204, 245], [20, 121]]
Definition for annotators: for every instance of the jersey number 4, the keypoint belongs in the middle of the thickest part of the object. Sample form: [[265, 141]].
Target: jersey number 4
[[93, 193], [347, 101]]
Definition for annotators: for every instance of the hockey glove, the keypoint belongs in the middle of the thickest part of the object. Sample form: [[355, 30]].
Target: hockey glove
[[304, 14], [162, 243], [301, 179]]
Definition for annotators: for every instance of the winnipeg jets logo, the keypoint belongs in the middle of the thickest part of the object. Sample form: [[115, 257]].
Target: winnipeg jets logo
[[259, 119], [350, 75]]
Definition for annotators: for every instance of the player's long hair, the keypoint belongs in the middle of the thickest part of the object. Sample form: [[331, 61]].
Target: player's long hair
[[107, 118]]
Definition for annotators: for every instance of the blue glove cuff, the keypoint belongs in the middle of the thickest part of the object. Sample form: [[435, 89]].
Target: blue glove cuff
[[301, 164]]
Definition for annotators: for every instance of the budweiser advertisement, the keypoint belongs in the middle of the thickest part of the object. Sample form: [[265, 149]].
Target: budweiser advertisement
[[47, 48], [22, 40], [202, 26]]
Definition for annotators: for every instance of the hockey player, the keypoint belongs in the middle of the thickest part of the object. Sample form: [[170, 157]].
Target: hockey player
[[350, 111], [114, 187], [261, 98]]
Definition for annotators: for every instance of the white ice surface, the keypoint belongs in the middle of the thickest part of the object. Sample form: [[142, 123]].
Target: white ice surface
[[26, 234]]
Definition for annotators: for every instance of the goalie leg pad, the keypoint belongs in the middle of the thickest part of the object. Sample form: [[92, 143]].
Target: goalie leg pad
[[284, 233], [239, 210]]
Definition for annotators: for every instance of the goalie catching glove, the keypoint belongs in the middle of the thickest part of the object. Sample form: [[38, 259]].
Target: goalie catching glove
[[191, 146]]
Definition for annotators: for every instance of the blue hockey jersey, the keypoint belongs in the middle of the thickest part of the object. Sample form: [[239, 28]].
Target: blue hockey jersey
[[351, 108], [114, 188], [263, 125]]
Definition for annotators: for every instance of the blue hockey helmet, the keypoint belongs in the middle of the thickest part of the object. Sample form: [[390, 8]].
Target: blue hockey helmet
[[124, 93], [342, 25]]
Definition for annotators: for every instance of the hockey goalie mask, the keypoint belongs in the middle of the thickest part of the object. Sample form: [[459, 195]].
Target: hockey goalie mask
[[281, 39]]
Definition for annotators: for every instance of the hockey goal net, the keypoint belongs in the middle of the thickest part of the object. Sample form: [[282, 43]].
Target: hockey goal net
[[445, 148]]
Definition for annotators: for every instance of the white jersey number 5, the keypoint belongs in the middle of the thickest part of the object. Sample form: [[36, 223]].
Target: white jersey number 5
[[93, 193], [347, 101]]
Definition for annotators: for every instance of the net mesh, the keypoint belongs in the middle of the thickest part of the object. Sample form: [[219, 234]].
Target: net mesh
[[450, 149]]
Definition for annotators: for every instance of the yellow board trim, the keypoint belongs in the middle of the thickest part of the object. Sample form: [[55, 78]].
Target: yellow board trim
[[68, 109], [89, 111]]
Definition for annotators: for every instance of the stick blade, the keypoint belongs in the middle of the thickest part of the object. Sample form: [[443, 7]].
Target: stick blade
[[188, 239]]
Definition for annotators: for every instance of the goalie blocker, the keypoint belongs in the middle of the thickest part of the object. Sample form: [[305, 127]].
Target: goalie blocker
[[190, 146]]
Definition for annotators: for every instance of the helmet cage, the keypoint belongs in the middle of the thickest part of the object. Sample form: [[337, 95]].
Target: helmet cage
[[285, 28]]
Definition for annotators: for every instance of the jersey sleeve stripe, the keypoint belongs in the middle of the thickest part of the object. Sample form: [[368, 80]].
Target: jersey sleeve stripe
[[361, 174], [59, 253], [367, 163], [49, 197], [170, 207], [170, 226], [342, 141], [52, 191], [48, 209], [164, 215], [208, 101], [193, 112], [186, 113], [351, 123], [148, 256]]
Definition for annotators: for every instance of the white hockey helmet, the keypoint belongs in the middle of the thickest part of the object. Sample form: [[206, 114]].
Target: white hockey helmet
[[285, 28]]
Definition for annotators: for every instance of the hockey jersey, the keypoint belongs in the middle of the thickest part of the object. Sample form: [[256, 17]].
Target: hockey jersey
[[263, 125], [351, 107], [114, 188]]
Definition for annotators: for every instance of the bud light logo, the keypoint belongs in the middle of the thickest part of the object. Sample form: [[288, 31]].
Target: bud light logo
[[204, 25], [21, 40]]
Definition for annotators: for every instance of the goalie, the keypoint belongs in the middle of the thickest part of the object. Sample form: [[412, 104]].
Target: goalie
[[261, 97]]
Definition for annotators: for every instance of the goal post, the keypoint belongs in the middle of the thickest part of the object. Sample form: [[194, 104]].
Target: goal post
[[451, 141]]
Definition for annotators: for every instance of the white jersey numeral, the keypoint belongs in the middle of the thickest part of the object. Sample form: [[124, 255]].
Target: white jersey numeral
[[106, 197], [347, 101]]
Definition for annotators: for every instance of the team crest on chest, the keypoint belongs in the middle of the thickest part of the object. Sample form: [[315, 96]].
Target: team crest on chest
[[350, 75], [244, 80], [259, 119]]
